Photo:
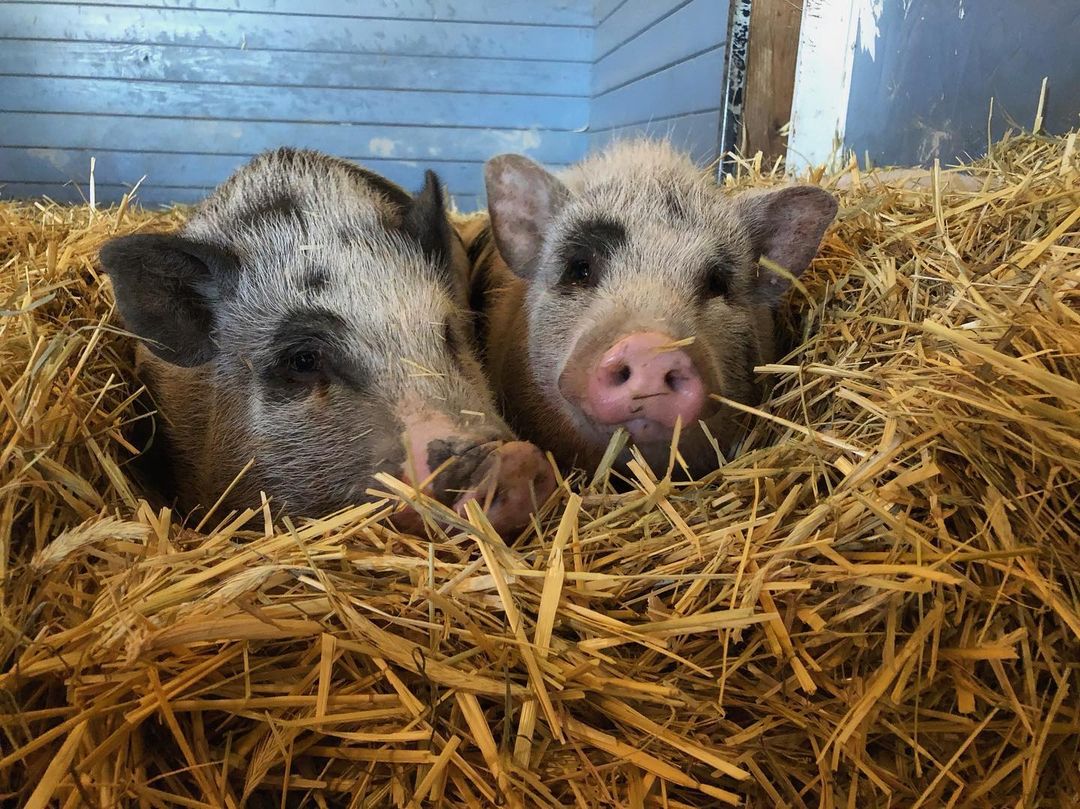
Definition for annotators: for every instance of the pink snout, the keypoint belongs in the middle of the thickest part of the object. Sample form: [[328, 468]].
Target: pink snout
[[645, 386], [514, 480], [508, 479]]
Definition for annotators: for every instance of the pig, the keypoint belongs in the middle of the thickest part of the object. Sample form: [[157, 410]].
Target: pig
[[628, 292], [311, 318]]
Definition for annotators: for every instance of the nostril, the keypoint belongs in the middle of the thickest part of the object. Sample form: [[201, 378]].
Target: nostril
[[673, 381], [621, 375]]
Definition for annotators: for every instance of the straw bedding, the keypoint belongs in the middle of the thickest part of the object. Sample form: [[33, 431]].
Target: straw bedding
[[877, 603]]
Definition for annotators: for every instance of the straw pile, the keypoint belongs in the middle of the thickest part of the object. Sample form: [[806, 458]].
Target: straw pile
[[878, 603]]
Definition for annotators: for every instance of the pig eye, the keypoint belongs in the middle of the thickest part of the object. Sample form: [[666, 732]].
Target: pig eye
[[716, 282], [304, 365], [578, 272]]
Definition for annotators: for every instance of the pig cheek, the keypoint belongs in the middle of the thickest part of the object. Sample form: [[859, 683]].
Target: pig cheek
[[726, 345], [470, 391], [560, 341], [555, 330], [330, 431]]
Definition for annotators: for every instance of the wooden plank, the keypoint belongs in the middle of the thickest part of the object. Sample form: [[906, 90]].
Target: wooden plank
[[111, 60], [148, 196], [828, 39], [734, 80], [185, 26], [693, 29], [696, 134], [63, 131], [694, 85], [770, 73], [550, 12], [328, 105], [627, 21], [171, 169]]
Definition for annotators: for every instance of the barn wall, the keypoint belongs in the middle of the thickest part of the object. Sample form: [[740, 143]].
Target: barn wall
[[184, 91], [658, 70], [922, 80]]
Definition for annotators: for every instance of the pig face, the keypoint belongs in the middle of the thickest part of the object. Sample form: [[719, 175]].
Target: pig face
[[309, 317], [645, 293]]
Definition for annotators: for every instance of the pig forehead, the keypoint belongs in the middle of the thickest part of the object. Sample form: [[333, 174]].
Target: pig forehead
[[384, 282], [656, 205], [377, 291], [652, 229]]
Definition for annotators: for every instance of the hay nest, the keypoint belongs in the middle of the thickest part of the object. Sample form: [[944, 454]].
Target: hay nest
[[877, 603]]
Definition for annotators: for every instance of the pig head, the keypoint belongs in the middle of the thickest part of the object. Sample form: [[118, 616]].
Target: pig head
[[633, 294], [310, 320]]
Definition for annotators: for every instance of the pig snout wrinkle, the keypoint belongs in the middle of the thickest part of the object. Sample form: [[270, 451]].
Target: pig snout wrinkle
[[508, 479], [645, 386], [518, 481]]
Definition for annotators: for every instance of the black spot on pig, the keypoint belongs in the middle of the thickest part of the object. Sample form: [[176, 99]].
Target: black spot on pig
[[675, 204], [281, 209], [306, 324], [307, 351], [462, 459], [601, 235], [315, 279], [586, 250]]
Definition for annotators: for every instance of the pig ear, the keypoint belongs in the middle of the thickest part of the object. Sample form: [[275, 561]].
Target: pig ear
[[523, 199], [786, 226], [165, 288], [426, 221]]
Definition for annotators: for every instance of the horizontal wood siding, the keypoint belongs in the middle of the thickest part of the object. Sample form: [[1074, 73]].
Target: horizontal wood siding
[[658, 71], [176, 94], [292, 32], [182, 92], [549, 12], [240, 102], [172, 63]]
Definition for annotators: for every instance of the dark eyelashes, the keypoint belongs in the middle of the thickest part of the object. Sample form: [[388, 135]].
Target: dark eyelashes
[[301, 362], [305, 365], [578, 271], [301, 343], [717, 281], [588, 246]]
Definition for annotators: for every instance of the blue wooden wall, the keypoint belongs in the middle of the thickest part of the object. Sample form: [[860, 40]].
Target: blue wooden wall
[[184, 91], [658, 70]]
